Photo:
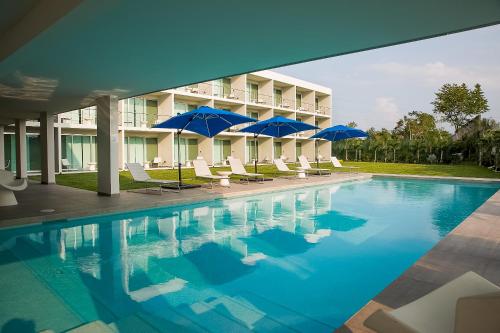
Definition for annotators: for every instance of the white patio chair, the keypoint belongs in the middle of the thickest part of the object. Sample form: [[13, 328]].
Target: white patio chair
[[201, 170], [337, 165], [238, 169], [283, 168], [304, 163], [8, 185], [470, 303], [141, 176]]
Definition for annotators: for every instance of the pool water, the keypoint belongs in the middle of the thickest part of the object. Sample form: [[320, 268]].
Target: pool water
[[299, 260]]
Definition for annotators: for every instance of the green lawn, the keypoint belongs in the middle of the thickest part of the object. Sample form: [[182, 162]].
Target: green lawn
[[88, 180]]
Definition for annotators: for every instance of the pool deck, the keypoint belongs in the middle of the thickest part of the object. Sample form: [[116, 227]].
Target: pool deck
[[474, 245], [70, 202]]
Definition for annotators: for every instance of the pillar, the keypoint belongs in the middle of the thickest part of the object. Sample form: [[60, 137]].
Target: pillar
[[2, 148], [47, 148], [21, 154], [107, 146]]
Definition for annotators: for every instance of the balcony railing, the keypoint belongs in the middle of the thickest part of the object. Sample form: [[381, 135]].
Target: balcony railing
[[80, 117], [142, 120], [231, 93], [283, 103], [259, 98], [199, 88], [306, 107], [324, 110]]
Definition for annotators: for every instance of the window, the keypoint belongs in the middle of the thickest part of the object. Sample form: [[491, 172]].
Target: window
[[278, 149], [251, 150], [188, 149], [180, 107], [252, 92], [278, 97], [222, 149], [316, 103], [79, 150], [151, 112], [254, 115], [298, 101], [298, 149], [222, 87]]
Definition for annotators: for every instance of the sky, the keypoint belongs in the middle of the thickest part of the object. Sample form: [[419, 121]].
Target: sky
[[376, 88]]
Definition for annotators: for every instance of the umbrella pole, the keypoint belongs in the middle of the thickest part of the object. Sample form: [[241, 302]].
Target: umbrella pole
[[316, 152], [179, 157], [256, 153]]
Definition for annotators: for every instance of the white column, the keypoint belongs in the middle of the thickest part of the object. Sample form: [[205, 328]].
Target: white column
[[2, 147], [21, 155], [58, 149], [107, 146], [47, 148]]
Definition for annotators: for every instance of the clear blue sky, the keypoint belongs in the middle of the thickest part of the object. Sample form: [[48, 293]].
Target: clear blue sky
[[376, 88]]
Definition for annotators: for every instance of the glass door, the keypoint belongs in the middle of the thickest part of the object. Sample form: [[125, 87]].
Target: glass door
[[278, 97], [298, 149], [278, 150]]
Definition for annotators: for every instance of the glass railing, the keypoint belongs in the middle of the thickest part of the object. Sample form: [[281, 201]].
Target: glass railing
[[85, 116], [142, 120], [284, 103], [258, 98], [305, 107], [324, 110], [231, 93], [199, 88]]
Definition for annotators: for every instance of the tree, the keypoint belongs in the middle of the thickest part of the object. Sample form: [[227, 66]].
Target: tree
[[457, 104]]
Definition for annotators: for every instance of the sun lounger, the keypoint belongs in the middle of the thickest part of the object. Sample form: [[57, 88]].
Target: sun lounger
[[283, 168], [470, 303], [141, 176], [238, 169], [337, 165], [8, 185], [304, 163], [201, 170]]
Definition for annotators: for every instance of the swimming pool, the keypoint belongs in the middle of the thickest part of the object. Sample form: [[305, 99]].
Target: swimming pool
[[297, 260]]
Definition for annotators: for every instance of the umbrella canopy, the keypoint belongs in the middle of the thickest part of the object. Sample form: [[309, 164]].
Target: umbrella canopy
[[339, 132], [205, 120], [278, 127]]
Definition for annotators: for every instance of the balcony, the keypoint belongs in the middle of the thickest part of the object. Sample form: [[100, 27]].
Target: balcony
[[85, 117], [199, 88], [142, 120]]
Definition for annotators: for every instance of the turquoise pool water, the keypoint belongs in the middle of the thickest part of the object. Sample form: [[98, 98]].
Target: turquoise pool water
[[300, 260]]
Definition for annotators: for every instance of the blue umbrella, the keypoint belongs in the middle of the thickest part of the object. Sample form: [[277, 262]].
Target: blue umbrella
[[276, 127], [337, 133], [206, 121]]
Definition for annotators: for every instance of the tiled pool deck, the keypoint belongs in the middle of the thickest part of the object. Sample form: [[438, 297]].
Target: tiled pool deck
[[473, 245]]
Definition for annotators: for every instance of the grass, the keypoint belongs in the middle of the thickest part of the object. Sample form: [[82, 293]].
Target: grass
[[88, 180]]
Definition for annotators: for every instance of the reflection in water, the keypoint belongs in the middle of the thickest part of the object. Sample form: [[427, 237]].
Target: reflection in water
[[227, 265]]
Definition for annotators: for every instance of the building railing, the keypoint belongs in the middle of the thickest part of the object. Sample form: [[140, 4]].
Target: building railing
[[198, 88], [142, 120], [284, 103], [231, 93], [306, 107], [326, 110], [85, 116], [259, 98]]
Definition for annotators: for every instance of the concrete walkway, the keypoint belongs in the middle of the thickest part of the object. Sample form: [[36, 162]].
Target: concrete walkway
[[68, 202], [474, 245]]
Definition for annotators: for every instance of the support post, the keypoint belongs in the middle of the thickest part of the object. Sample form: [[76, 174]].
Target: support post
[[2, 148], [48, 148], [21, 154], [107, 146]]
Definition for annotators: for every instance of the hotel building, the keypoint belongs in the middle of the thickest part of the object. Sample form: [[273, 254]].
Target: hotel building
[[260, 95]]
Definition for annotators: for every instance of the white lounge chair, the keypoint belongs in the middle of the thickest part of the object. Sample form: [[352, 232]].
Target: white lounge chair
[[470, 303], [66, 165], [8, 185], [141, 176], [304, 163], [282, 167], [238, 169], [201, 170], [337, 165], [156, 163]]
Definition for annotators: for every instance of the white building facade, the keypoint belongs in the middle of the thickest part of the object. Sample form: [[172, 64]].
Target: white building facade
[[260, 95]]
